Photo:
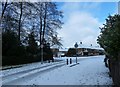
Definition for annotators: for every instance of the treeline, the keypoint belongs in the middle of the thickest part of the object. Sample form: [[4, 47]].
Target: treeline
[[27, 29], [110, 41]]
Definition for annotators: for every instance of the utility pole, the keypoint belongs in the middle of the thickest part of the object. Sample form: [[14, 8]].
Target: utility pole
[[42, 53], [76, 45]]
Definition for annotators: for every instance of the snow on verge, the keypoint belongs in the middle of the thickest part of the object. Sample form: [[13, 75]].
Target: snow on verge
[[90, 71]]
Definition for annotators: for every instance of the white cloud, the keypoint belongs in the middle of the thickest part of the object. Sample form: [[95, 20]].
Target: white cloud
[[85, 0], [79, 26]]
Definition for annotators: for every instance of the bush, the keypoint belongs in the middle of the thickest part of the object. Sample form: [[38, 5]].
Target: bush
[[71, 52], [110, 37], [110, 41], [12, 51]]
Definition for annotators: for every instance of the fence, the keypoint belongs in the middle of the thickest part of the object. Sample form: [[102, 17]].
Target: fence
[[114, 68]]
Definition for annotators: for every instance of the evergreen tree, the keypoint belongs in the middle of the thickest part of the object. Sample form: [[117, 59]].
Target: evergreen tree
[[9, 42], [32, 44], [71, 52], [110, 41], [12, 52], [110, 36], [48, 55]]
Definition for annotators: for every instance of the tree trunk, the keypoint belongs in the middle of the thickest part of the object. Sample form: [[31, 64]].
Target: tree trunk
[[44, 27], [19, 26], [40, 30], [41, 21], [3, 10]]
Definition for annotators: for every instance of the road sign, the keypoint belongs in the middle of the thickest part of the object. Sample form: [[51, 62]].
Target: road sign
[[76, 45]]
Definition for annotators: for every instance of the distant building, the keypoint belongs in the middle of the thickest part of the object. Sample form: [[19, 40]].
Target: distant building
[[83, 50], [59, 52], [55, 52], [62, 52], [92, 50]]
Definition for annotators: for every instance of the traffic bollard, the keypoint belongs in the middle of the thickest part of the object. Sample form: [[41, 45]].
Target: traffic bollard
[[67, 61], [70, 61]]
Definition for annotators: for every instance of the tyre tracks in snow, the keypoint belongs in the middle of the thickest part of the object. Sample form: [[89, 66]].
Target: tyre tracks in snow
[[30, 72]]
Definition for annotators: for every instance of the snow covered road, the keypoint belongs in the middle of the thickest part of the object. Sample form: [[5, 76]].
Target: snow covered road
[[89, 71]]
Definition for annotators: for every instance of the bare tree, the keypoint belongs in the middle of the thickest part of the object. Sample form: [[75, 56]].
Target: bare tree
[[44, 15], [4, 6]]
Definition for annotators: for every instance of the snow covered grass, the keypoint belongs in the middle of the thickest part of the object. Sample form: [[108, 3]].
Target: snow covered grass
[[24, 67], [20, 75], [89, 71]]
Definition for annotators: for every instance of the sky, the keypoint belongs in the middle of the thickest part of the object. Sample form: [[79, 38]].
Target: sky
[[82, 21]]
